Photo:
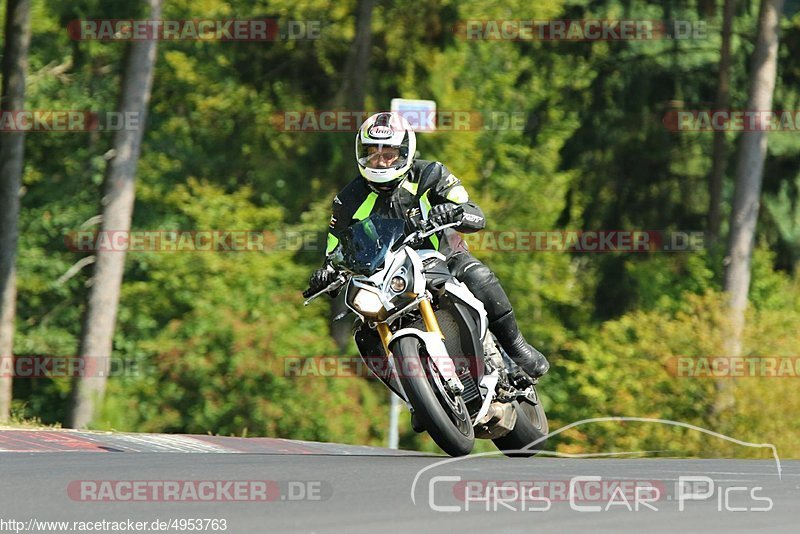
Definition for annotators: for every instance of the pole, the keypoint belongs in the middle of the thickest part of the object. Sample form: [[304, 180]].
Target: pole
[[394, 420]]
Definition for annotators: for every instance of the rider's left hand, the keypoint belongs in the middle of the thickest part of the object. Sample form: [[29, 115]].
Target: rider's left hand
[[442, 214]]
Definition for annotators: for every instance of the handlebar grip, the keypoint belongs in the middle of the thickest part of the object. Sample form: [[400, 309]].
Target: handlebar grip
[[308, 293]]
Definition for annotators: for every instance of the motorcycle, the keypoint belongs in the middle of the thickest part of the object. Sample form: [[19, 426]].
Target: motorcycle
[[435, 350]]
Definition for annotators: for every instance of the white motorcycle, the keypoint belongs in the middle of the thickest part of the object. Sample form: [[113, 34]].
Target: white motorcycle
[[435, 349]]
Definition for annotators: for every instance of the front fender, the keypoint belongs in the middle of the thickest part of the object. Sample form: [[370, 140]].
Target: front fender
[[435, 347]]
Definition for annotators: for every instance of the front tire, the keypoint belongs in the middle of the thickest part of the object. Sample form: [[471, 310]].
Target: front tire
[[445, 418], [531, 426]]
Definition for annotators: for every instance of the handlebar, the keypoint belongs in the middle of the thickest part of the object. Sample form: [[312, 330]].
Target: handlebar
[[423, 233], [309, 295]]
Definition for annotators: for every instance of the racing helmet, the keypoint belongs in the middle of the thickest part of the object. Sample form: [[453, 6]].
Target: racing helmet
[[385, 148]]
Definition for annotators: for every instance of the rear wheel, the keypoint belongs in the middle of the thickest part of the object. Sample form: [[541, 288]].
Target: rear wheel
[[443, 414], [531, 427]]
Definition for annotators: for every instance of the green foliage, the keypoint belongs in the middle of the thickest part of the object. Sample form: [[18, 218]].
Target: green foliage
[[630, 368]]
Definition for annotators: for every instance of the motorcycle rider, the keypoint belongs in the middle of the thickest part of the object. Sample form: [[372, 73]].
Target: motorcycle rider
[[395, 184]]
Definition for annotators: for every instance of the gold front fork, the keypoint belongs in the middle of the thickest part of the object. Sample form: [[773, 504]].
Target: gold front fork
[[386, 335], [428, 317]]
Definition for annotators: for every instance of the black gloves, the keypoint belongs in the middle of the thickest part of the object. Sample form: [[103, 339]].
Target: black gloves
[[445, 214], [320, 279]]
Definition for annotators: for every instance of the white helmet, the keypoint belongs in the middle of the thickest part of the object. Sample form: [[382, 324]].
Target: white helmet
[[375, 141]]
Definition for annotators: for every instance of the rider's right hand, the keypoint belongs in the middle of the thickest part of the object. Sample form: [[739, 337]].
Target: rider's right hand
[[320, 279]]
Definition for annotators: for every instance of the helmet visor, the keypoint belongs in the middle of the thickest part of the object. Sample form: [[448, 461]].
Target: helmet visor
[[382, 156]]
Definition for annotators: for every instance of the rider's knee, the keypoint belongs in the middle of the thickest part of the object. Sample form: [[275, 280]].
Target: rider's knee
[[475, 275], [483, 283]]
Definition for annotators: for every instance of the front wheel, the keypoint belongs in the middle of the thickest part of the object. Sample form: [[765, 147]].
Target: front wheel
[[531, 427], [443, 414]]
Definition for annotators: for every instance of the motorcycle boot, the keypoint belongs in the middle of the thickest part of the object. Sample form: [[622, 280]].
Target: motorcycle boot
[[510, 338]]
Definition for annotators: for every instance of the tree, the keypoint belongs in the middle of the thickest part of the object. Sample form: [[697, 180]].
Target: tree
[[718, 158], [749, 177], [356, 69], [352, 94], [12, 152], [95, 344]]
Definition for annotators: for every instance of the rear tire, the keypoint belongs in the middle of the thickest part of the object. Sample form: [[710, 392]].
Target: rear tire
[[451, 430], [531, 426]]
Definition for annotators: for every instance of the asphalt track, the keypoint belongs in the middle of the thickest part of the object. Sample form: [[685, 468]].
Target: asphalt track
[[316, 487]]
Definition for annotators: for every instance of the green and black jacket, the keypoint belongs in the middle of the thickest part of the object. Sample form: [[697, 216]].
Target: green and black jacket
[[427, 184]]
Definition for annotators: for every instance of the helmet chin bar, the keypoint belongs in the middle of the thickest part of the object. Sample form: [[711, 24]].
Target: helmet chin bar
[[383, 187], [386, 175]]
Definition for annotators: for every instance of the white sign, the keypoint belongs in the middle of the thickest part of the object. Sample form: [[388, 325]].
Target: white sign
[[421, 114]]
